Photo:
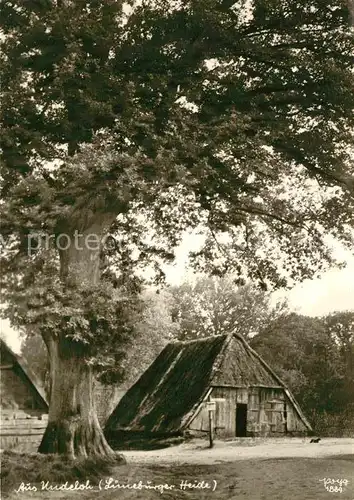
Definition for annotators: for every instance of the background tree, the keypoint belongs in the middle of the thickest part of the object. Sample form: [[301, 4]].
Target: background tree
[[215, 306], [306, 354], [153, 329], [97, 139], [340, 326], [34, 351]]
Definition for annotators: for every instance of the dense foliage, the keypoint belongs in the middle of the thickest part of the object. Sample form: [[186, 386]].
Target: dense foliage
[[120, 359], [214, 306], [315, 357], [102, 96]]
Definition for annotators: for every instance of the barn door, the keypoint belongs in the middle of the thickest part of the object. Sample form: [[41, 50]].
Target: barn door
[[241, 420], [276, 412]]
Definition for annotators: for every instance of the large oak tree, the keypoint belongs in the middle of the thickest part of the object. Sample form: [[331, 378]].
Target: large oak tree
[[163, 117]]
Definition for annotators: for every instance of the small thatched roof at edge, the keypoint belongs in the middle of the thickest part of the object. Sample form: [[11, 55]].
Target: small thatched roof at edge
[[22, 365]]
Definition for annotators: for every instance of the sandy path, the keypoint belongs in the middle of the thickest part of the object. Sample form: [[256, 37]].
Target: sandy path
[[197, 452]]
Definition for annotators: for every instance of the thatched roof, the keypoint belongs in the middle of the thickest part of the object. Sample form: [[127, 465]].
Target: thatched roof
[[20, 365], [242, 366], [167, 395], [170, 387]]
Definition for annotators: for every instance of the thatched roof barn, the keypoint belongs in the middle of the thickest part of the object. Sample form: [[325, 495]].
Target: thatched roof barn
[[21, 389], [170, 397]]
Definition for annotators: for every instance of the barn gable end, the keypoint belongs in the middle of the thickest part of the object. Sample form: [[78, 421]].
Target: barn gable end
[[24, 407], [20, 387], [242, 367], [245, 382]]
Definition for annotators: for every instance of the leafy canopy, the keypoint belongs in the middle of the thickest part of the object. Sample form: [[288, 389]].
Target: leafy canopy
[[163, 118]]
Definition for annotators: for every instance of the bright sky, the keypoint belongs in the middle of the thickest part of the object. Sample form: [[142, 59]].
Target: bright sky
[[333, 291]]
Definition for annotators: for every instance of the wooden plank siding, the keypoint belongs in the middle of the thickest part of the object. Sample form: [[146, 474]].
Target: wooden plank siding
[[225, 421], [269, 412], [20, 432]]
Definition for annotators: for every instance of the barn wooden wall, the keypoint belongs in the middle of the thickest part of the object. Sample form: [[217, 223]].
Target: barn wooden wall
[[266, 416], [23, 413], [21, 432]]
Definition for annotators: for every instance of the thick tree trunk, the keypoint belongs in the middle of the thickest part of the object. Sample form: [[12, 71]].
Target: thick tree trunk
[[73, 428]]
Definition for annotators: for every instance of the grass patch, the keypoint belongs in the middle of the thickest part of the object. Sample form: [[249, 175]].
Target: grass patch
[[36, 467]]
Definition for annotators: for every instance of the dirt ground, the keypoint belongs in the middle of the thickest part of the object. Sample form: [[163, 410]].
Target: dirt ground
[[197, 451], [270, 479], [252, 469]]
